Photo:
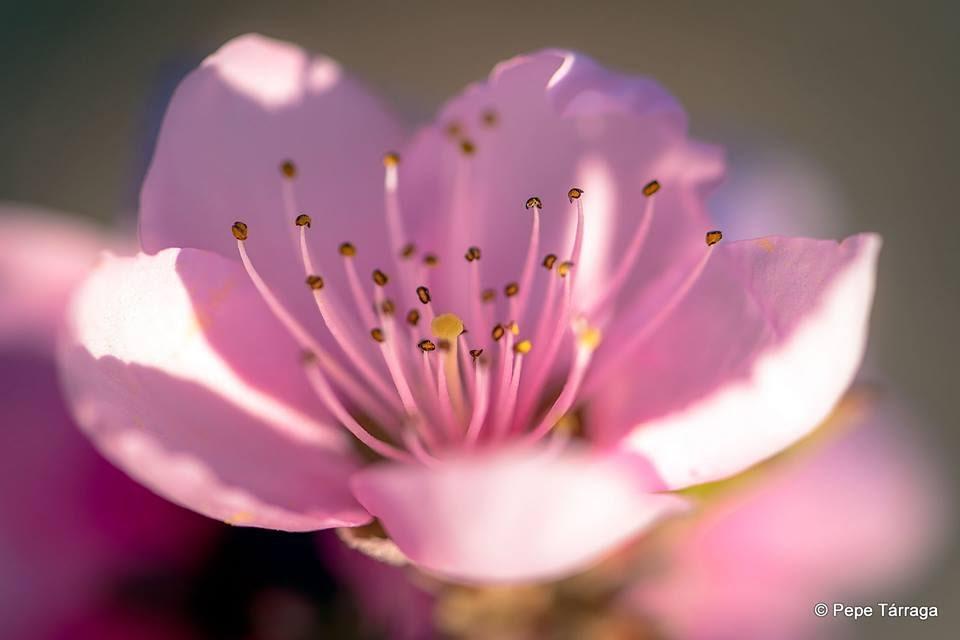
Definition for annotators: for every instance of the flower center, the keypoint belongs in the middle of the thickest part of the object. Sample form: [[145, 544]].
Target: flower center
[[430, 385]]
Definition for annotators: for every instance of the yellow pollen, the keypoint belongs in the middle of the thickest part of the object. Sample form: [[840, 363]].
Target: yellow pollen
[[651, 188], [467, 147], [564, 268], [548, 261], [413, 317], [380, 278], [590, 338], [391, 159], [489, 117], [408, 250], [239, 230], [574, 194], [514, 328], [377, 334], [315, 282], [427, 345], [347, 250], [498, 332], [713, 237], [288, 169], [303, 220], [447, 326], [423, 294], [488, 295], [523, 347], [533, 201], [431, 260]]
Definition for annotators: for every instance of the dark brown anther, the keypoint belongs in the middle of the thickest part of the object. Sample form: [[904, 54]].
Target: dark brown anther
[[431, 260], [574, 194], [473, 253], [413, 317], [489, 118], [476, 353], [308, 357], [408, 250], [453, 129], [651, 188], [239, 230], [488, 295], [443, 344], [391, 159], [380, 278], [533, 201], [498, 332], [387, 307], [423, 294], [548, 261], [467, 147], [377, 334], [511, 289], [303, 220], [347, 250], [427, 345], [315, 282], [713, 237], [288, 169]]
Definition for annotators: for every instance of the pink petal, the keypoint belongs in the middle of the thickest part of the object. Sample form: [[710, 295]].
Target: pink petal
[[561, 121], [853, 521], [43, 255], [511, 516], [184, 380], [753, 359], [249, 107]]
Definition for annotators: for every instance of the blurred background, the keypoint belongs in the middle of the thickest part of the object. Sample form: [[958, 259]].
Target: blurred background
[[861, 96]]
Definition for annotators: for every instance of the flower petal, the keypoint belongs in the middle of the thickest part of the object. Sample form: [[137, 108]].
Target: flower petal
[[757, 354], [854, 517], [43, 255], [184, 380], [510, 516], [248, 108], [541, 124]]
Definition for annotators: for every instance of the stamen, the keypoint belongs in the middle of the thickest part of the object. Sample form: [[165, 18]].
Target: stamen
[[303, 220], [564, 268], [387, 307], [651, 188], [511, 289], [523, 347], [423, 294], [498, 332], [239, 230], [413, 317], [427, 345], [473, 253], [380, 278], [518, 307], [288, 169], [431, 260], [467, 147], [481, 402], [574, 194], [713, 237], [315, 282], [489, 118], [488, 295], [533, 202], [408, 250], [548, 261], [447, 327], [347, 250], [476, 353], [377, 334]]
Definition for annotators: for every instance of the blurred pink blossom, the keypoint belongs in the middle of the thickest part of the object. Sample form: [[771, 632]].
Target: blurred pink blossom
[[72, 525], [666, 360]]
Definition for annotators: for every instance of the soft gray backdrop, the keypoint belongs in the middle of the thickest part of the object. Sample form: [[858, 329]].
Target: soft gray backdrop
[[868, 90]]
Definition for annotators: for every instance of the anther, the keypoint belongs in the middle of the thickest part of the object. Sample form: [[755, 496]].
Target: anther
[[574, 194], [391, 159], [377, 334], [651, 188], [489, 117], [315, 282], [303, 220], [548, 261], [522, 347], [423, 294], [431, 260], [467, 147], [476, 353], [533, 201], [564, 268], [590, 338], [239, 230], [713, 237], [488, 295], [453, 129], [473, 253], [498, 332], [408, 250], [380, 278], [387, 307], [443, 345], [513, 327], [347, 250], [413, 317], [307, 356], [427, 345], [447, 326], [511, 289], [288, 169]]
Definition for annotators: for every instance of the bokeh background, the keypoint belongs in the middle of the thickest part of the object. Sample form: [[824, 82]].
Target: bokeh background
[[864, 94]]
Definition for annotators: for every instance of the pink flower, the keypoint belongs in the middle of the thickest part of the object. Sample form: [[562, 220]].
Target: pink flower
[[555, 210], [72, 525]]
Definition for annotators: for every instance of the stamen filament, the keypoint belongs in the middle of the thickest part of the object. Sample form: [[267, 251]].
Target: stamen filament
[[518, 304], [480, 404]]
